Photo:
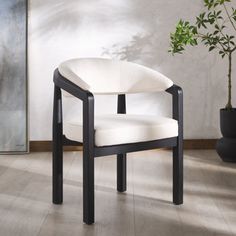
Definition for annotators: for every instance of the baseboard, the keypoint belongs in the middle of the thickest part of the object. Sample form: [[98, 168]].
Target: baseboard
[[199, 144], [46, 146]]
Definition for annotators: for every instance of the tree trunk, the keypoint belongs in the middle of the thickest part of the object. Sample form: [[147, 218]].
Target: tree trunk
[[229, 104]]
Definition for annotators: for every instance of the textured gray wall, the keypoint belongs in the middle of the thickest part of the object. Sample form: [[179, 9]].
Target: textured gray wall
[[13, 116]]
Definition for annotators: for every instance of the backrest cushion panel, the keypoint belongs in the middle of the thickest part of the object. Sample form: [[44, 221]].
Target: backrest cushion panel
[[106, 76]]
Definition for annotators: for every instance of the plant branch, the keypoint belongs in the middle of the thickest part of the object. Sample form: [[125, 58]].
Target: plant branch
[[202, 36], [233, 49], [220, 28], [232, 23], [187, 34]]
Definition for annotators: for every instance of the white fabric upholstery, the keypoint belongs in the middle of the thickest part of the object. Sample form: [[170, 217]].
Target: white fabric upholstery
[[115, 129], [106, 76]]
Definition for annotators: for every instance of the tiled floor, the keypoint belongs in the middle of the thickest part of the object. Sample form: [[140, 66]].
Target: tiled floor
[[145, 209]]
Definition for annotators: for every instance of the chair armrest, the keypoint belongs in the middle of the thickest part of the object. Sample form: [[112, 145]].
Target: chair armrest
[[70, 87], [177, 105], [88, 107]]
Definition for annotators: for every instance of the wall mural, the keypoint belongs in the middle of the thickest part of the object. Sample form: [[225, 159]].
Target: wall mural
[[13, 76]]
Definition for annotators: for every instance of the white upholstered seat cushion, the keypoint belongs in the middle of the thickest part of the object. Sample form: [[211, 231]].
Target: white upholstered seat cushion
[[107, 76], [115, 129]]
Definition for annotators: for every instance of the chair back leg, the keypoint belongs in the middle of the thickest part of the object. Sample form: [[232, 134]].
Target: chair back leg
[[121, 158], [57, 148], [121, 173]]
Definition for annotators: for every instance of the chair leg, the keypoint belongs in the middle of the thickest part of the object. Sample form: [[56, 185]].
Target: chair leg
[[88, 160], [121, 173], [178, 174], [88, 187], [57, 148]]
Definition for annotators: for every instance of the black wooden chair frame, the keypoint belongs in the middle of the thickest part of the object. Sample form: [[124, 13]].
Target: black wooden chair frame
[[90, 151]]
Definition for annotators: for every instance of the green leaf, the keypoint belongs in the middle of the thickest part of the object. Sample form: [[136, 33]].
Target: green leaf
[[210, 28], [212, 48]]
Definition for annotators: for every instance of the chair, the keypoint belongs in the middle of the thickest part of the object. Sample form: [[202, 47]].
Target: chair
[[110, 134]]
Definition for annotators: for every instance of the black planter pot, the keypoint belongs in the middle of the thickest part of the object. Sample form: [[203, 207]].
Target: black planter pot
[[226, 146]]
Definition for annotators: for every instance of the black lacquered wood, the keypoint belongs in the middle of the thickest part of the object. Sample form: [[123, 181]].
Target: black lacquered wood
[[69, 87], [135, 147], [177, 97], [57, 148], [121, 158], [88, 160]]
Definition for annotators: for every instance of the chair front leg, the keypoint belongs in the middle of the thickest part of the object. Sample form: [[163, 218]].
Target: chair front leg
[[88, 160], [57, 148], [177, 103], [178, 173]]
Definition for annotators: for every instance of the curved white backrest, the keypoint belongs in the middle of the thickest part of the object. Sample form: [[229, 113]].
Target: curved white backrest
[[106, 76]]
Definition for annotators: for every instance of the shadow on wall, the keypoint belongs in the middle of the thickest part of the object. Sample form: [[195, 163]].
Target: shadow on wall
[[150, 44], [147, 24], [53, 15], [139, 49]]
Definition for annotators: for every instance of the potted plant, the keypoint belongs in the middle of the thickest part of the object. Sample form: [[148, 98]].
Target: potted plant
[[214, 28]]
